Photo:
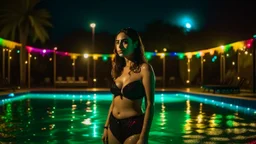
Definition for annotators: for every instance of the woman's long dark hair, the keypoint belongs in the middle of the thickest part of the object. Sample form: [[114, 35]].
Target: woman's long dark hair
[[118, 63]]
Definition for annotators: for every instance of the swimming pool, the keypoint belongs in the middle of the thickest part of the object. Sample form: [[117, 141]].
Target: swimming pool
[[78, 117]]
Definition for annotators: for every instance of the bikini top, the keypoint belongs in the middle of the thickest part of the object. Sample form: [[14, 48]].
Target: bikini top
[[133, 91]]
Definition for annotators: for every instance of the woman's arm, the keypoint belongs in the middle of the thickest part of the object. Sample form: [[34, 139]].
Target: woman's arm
[[148, 80]]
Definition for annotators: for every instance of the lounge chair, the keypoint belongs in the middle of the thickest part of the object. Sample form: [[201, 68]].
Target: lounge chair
[[228, 88], [71, 82], [227, 81]]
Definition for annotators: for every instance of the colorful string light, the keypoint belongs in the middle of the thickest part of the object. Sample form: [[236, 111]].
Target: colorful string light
[[220, 49]]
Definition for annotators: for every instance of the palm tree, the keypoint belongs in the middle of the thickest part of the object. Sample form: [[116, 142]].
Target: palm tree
[[23, 20]]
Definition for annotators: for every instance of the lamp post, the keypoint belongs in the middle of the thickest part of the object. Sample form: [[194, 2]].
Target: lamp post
[[164, 71], [254, 65], [29, 67], [54, 66], [9, 66], [93, 25], [3, 65], [74, 67], [164, 66], [86, 56], [202, 69]]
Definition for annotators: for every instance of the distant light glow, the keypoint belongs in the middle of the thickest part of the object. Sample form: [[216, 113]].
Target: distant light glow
[[11, 95], [148, 56], [187, 20], [188, 25], [92, 25], [86, 55], [105, 58], [29, 48]]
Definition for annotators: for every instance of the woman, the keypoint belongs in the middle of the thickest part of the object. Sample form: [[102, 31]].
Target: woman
[[133, 80]]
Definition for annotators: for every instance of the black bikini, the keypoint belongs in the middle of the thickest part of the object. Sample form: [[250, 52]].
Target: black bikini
[[124, 128], [133, 91]]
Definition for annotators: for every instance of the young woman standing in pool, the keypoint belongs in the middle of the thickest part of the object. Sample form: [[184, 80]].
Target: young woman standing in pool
[[133, 80]]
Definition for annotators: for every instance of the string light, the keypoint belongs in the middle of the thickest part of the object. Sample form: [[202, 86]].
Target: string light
[[162, 55], [211, 52], [221, 49], [95, 57], [9, 44], [86, 55]]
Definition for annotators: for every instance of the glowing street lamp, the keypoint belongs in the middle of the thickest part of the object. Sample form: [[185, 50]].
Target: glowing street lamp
[[164, 65], [93, 25]]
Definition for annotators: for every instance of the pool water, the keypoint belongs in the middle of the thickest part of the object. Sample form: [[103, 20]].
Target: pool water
[[79, 118]]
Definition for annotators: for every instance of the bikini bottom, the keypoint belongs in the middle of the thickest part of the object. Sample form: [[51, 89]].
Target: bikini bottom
[[124, 128]]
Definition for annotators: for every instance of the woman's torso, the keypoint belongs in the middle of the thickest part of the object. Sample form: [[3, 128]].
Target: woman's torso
[[129, 92]]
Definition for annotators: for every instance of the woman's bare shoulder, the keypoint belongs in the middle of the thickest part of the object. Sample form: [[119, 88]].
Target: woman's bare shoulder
[[146, 67]]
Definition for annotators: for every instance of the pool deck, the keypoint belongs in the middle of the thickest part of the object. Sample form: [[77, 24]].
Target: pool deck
[[245, 94]]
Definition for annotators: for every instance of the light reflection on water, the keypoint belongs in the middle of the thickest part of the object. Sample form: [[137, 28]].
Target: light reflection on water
[[76, 118]]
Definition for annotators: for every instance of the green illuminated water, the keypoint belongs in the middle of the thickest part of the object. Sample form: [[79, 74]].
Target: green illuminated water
[[65, 118]]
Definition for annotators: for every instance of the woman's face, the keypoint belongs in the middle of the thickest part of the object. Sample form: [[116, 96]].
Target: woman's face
[[124, 45]]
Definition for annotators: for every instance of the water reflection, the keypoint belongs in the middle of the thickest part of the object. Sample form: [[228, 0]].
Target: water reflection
[[65, 118], [162, 114], [205, 123]]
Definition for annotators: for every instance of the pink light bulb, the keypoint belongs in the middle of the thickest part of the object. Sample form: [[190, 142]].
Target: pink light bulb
[[29, 48]]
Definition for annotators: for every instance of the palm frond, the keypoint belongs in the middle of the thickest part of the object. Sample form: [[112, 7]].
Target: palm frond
[[8, 14], [42, 16], [42, 13], [39, 30], [22, 14], [9, 31]]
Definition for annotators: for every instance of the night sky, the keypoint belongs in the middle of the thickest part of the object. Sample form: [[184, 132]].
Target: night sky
[[111, 15]]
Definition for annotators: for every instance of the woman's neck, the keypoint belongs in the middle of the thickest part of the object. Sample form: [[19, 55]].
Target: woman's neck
[[128, 62]]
